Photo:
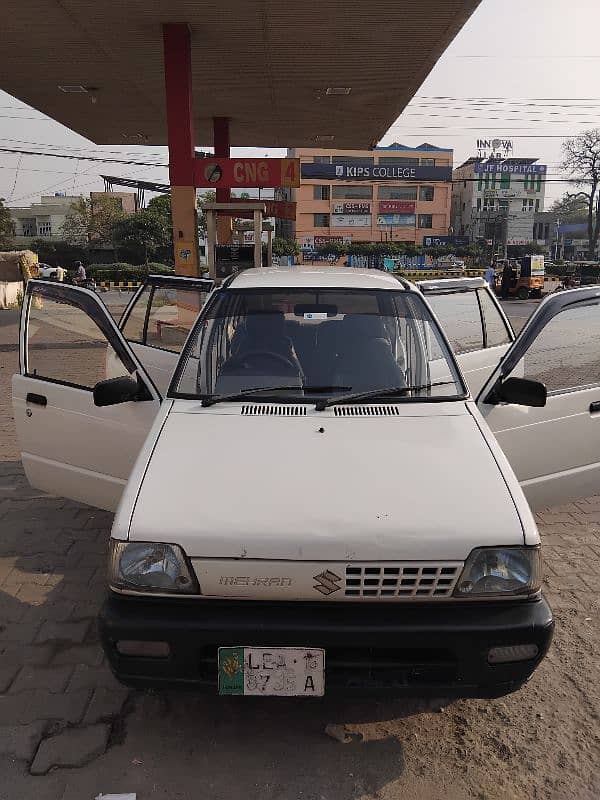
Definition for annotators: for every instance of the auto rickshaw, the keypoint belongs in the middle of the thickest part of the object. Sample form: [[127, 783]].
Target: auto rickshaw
[[527, 276]]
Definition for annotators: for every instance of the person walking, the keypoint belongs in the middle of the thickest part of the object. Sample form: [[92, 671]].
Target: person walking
[[490, 277]]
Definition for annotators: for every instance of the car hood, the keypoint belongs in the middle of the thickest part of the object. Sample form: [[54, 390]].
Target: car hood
[[421, 483]]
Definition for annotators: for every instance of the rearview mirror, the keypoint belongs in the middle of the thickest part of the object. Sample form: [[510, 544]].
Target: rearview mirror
[[522, 392], [113, 391]]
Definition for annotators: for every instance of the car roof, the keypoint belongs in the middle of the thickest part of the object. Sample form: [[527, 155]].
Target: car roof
[[305, 276], [450, 284]]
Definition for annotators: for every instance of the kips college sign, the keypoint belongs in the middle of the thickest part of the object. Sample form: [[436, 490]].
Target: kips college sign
[[375, 172]]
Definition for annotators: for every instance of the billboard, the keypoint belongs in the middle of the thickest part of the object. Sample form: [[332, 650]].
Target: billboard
[[375, 172], [403, 220], [351, 221]]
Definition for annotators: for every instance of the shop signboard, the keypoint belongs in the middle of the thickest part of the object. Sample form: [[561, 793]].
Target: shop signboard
[[233, 173], [440, 241], [397, 206], [321, 241], [352, 208], [351, 221], [375, 172], [512, 169], [402, 220]]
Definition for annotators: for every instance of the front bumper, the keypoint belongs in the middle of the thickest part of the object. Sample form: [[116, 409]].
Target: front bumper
[[434, 649]]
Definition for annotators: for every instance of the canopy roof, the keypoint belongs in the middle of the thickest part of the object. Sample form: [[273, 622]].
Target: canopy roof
[[267, 65]]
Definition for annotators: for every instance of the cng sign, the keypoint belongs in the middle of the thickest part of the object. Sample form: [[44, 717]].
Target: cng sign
[[232, 173]]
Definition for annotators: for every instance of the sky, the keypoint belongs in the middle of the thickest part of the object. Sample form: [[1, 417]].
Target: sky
[[520, 69]]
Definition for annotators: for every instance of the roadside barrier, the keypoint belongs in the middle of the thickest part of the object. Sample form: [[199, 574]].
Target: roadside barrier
[[424, 274], [119, 284]]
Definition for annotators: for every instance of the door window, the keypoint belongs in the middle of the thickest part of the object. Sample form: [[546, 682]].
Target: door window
[[496, 332], [133, 329], [162, 316], [172, 315], [65, 345], [565, 356], [460, 319]]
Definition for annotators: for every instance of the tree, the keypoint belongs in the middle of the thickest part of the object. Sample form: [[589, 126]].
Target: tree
[[6, 227], [90, 222], [146, 229], [582, 161], [285, 247], [570, 208], [209, 196]]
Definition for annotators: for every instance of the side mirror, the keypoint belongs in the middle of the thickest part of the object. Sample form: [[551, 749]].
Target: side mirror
[[117, 390], [522, 392]]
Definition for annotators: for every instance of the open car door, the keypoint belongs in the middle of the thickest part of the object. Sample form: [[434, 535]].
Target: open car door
[[553, 447], [79, 433], [158, 319]]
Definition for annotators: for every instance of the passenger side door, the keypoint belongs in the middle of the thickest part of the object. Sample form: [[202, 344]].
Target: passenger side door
[[72, 444], [554, 450], [477, 330], [158, 319]]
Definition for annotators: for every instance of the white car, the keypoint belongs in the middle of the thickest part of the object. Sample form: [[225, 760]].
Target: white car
[[318, 502]]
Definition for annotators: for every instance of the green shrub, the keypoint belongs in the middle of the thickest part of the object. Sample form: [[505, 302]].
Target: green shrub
[[122, 271]]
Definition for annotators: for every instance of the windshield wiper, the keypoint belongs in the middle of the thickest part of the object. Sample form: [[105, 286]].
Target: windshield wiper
[[222, 398], [321, 405]]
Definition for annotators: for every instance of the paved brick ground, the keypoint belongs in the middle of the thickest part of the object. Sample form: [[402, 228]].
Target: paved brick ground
[[68, 731]]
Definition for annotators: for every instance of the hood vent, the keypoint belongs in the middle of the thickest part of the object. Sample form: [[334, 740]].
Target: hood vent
[[268, 410], [366, 411]]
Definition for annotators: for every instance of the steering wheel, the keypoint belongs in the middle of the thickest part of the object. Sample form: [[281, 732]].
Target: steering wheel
[[252, 359]]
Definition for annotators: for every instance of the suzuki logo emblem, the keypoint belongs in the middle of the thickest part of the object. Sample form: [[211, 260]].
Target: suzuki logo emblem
[[327, 582]]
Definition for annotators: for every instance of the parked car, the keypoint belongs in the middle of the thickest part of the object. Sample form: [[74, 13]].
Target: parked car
[[450, 262], [318, 502]]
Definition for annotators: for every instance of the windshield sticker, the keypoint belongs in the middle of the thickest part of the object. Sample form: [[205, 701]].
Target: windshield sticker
[[315, 315]]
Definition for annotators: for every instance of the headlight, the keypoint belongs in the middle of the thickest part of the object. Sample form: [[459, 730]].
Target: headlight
[[150, 567], [500, 571]]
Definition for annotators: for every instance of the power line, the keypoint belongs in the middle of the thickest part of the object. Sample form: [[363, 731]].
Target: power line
[[81, 158]]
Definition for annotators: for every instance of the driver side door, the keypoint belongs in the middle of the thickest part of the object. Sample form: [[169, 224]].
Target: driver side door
[[70, 445]]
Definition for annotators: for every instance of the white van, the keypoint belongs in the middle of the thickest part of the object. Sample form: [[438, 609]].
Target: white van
[[308, 508]]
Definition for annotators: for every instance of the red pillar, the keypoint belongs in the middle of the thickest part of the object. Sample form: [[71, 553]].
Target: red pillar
[[180, 127], [221, 145]]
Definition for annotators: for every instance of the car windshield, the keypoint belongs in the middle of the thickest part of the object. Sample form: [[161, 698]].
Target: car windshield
[[316, 344]]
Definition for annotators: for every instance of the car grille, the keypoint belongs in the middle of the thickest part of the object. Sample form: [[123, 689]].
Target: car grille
[[408, 580]]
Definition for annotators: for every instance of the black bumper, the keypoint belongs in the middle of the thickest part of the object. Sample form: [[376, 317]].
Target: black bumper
[[436, 650]]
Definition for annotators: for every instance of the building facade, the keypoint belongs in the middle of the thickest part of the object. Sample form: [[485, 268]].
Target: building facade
[[394, 193], [497, 199], [44, 220]]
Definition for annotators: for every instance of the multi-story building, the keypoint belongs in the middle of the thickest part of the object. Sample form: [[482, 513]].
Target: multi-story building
[[395, 193], [41, 220], [44, 220], [497, 199]]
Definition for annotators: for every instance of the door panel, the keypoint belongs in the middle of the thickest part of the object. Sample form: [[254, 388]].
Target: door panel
[[158, 320], [478, 365], [70, 446], [554, 451]]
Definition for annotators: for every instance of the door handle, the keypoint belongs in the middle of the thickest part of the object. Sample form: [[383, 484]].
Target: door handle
[[595, 407], [37, 399]]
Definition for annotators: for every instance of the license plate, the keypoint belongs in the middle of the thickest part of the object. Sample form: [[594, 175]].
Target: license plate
[[280, 671]]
